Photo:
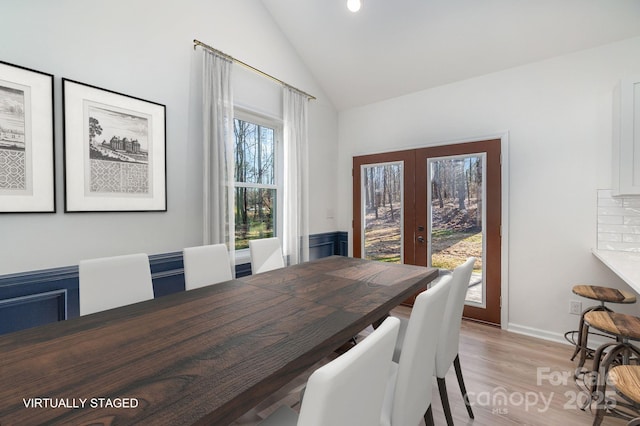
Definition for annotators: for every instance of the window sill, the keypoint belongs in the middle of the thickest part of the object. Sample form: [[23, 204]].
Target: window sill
[[242, 257]]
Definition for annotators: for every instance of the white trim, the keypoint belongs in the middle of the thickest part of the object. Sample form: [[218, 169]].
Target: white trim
[[255, 117], [254, 185], [504, 219], [257, 112], [242, 257], [433, 144], [594, 341], [275, 123], [536, 332]]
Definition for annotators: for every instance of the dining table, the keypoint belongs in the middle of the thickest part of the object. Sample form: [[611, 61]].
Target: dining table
[[204, 356]]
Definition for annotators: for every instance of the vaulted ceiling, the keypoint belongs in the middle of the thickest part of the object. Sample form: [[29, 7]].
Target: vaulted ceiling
[[395, 47]]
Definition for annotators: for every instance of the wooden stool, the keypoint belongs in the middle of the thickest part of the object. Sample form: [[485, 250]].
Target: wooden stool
[[626, 379], [603, 295], [624, 328]]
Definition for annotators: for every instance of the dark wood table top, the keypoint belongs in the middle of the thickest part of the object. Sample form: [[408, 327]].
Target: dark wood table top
[[204, 356]]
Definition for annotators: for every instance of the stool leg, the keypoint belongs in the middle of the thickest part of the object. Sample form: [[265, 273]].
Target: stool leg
[[578, 343], [598, 390], [582, 338], [597, 419], [598, 362], [582, 348], [580, 328]]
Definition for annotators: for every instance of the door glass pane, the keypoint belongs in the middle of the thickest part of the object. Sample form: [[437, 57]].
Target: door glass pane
[[382, 207], [457, 190]]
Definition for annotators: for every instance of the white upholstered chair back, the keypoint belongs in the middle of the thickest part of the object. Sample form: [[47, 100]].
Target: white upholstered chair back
[[110, 282], [266, 255], [206, 265], [450, 331], [350, 389], [410, 392]]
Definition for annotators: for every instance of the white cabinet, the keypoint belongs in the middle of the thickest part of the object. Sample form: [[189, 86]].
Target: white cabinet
[[626, 137]]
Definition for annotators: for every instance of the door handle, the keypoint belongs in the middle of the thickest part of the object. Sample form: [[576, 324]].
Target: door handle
[[420, 239]]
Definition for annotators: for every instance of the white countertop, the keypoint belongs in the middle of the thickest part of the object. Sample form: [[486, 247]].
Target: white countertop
[[625, 264]]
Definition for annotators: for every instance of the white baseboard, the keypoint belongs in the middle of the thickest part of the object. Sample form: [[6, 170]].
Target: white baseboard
[[594, 341]]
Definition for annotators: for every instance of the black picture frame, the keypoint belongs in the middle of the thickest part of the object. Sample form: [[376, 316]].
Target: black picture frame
[[27, 164], [114, 151]]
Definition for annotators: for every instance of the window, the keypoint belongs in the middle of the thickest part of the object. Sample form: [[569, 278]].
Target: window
[[257, 178]]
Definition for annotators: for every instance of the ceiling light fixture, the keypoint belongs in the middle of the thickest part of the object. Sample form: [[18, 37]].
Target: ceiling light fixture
[[354, 5]]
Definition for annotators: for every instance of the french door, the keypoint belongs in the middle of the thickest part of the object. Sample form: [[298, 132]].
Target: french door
[[435, 207]]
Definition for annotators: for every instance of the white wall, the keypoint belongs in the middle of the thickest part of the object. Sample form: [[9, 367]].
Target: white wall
[[144, 48], [558, 115]]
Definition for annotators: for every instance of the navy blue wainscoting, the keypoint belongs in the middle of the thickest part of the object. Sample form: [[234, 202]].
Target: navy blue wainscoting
[[33, 298], [327, 244]]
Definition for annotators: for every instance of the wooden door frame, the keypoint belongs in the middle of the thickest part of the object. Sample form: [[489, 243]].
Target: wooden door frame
[[493, 175], [504, 250]]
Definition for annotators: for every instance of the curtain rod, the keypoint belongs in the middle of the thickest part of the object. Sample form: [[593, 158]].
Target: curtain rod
[[244, 64]]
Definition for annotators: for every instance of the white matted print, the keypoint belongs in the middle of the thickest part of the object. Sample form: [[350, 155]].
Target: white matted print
[[114, 151], [26, 140]]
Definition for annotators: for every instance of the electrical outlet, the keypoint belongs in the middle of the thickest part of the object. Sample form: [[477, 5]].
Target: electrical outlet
[[575, 307]]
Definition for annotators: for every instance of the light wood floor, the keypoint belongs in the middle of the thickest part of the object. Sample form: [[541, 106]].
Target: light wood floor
[[511, 379]]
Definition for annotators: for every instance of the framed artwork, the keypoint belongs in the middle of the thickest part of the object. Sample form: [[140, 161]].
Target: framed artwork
[[114, 151], [27, 167]]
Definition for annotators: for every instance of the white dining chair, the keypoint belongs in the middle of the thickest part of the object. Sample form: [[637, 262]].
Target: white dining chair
[[348, 390], [206, 265], [448, 342], [266, 255], [110, 282], [409, 389], [449, 336]]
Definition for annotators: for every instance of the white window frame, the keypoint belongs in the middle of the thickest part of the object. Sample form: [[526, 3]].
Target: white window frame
[[242, 256]]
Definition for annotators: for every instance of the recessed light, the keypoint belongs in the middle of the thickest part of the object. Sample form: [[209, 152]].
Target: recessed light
[[354, 5]]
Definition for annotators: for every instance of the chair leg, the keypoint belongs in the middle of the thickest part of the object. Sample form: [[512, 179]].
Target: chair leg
[[465, 397], [428, 417], [442, 387]]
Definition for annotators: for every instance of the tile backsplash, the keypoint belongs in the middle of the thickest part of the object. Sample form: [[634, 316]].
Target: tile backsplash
[[618, 222]]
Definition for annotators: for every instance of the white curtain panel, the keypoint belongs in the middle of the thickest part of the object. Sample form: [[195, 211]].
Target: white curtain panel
[[296, 177], [218, 189]]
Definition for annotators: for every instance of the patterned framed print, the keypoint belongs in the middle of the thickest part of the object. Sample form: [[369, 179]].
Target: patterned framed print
[[27, 167], [114, 151]]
